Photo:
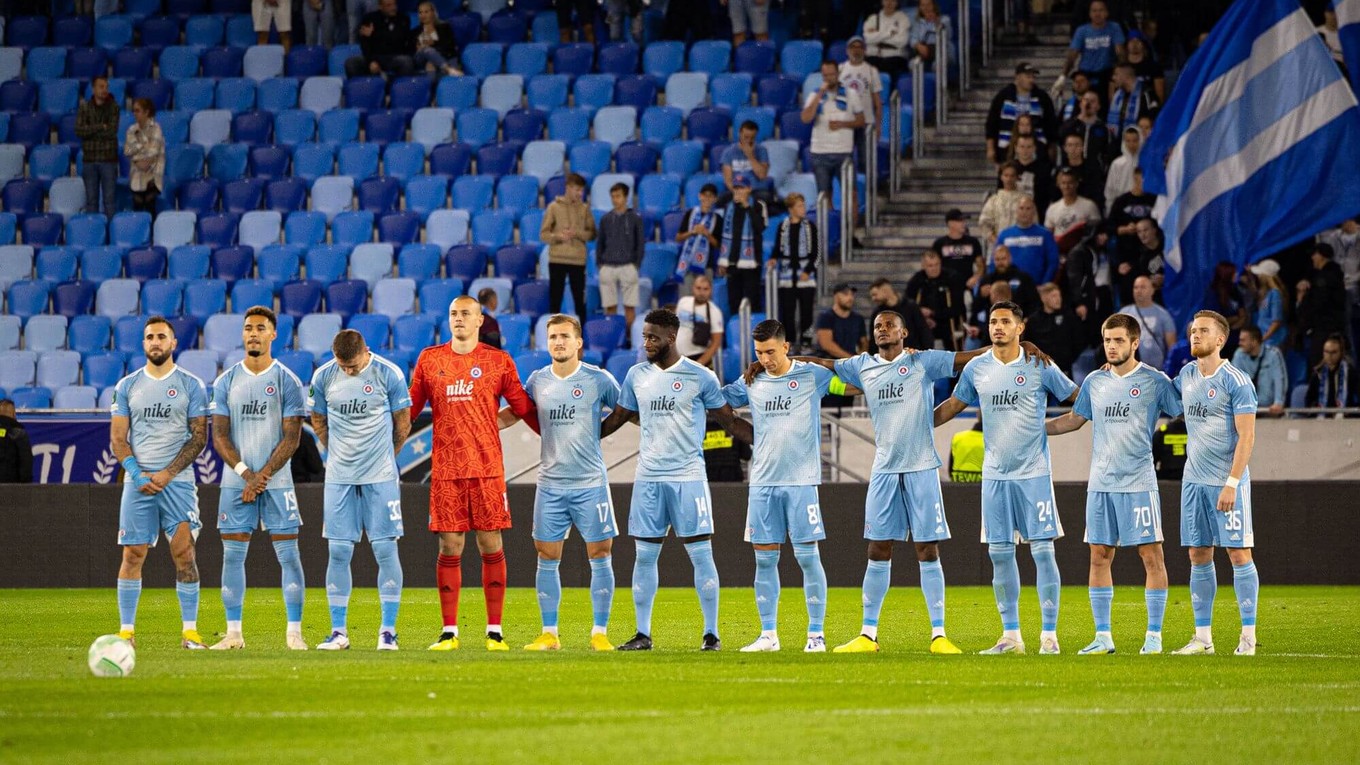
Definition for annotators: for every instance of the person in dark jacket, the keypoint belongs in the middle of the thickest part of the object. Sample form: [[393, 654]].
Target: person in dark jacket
[[1056, 329], [1321, 300], [619, 248], [1020, 97], [939, 293], [435, 47], [16, 454], [794, 265], [388, 44], [1333, 383], [741, 246]]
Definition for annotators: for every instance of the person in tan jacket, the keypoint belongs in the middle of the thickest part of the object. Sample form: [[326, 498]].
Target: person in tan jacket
[[567, 225]]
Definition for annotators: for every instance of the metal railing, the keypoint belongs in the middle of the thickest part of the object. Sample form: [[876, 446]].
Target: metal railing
[[894, 143], [964, 25], [744, 329], [871, 174], [918, 108], [823, 242], [847, 208], [942, 80], [987, 24]]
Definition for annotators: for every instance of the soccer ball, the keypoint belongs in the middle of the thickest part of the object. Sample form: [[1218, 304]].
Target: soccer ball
[[112, 656]]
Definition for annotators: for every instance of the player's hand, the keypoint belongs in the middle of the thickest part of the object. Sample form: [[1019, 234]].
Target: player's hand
[[750, 374], [258, 482], [248, 494], [1276, 410], [1032, 353], [722, 271], [1227, 499], [1081, 312]]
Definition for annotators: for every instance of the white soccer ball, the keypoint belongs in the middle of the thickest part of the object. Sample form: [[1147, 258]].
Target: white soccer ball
[[112, 656]]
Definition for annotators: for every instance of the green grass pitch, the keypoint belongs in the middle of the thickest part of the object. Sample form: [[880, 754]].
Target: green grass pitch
[[1297, 701]]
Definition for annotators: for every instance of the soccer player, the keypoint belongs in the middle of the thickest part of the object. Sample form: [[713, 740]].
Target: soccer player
[[1123, 508], [257, 409], [669, 394], [362, 415], [1220, 420], [573, 488], [159, 427], [464, 381], [1017, 481], [786, 468]]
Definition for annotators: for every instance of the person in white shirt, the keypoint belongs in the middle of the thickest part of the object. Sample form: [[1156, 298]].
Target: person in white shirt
[[861, 77], [701, 323], [885, 35], [834, 112], [1071, 209], [1119, 180]]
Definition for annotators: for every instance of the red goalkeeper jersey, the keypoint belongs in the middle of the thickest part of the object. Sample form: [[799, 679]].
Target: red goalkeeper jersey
[[464, 392]]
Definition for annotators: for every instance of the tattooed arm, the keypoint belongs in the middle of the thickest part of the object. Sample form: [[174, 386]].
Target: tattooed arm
[[257, 482], [198, 438], [401, 427], [321, 429]]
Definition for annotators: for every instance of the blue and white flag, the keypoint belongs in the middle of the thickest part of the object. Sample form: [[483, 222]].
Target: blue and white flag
[[1348, 29], [1257, 148]]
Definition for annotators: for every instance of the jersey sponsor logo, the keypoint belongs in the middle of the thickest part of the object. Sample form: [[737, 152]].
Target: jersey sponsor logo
[[779, 404], [1119, 410], [677, 386], [1006, 398], [157, 412], [254, 408], [353, 406], [1135, 392], [270, 390], [562, 413], [891, 392], [461, 389], [476, 373], [172, 393], [1197, 410], [577, 393], [663, 404]]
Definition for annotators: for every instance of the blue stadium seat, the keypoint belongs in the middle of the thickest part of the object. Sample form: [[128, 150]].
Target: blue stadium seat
[[618, 59], [379, 194], [394, 298], [482, 60], [436, 295], [731, 91], [451, 159], [661, 126], [658, 264], [9, 224], [300, 298], [555, 187], [294, 126], [709, 126], [593, 92], [333, 194], [71, 299], [130, 229], [518, 263], [132, 63], [763, 116], [755, 57], [507, 29], [116, 297], [313, 160], [419, 262], [188, 262], [204, 31], [235, 94], [657, 195], [87, 230], [547, 92], [527, 59], [515, 331], [186, 331], [545, 29], [179, 63], [532, 298], [590, 158], [41, 230], [424, 194], [269, 163], [195, 95], [113, 32], [104, 370], [376, 329], [448, 228], [687, 91], [98, 264], [29, 129], [403, 160], [352, 227], [87, 63], [286, 195], [493, 228], [346, 297], [496, 160], [320, 94], [384, 127], [27, 399], [45, 332], [232, 263], [174, 124], [202, 364], [242, 195], [683, 158], [56, 264], [127, 335], [370, 262], [569, 125], [399, 228], [278, 264], [248, 293], [89, 334], [18, 96], [473, 193], [145, 263], [71, 32], [299, 363], [661, 59], [328, 262], [573, 59], [637, 91], [636, 158], [431, 127], [262, 62], [339, 54], [199, 196], [779, 91], [710, 56], [305, 228], [516, 194], [305, 61], [163, 297], [17, 369], [456, 93], [183, 163], [477, 127], [222, 61], [45, 63], [521, 126], [605, 333], [414, 332], [410, 93], [204, 298], [466, 262]]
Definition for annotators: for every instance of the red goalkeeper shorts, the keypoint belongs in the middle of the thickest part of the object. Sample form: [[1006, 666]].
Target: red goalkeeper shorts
[[469, 504]]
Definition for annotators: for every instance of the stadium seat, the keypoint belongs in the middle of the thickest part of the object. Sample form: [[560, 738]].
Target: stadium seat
[[17, 369], [709, 126], [253, 128], [605, 333], [299, 363], [18, 96], [286, 195], [502, 92], [495, 160], [305, 61], [763, 116], [163, 297], [75, 298], [506, 29], [232, 263], [195, 95], [531, 298], [520, 126], [473, 193], [376, 329], [316, 331], [113, 32], [222, 62], [189, 261], [40, 230], [619, 59], [9, 332], [394, 298], [116, 297], [466, 262], [661, 59], [293, 127], [448, 228], [278, 264], [424, 194], [379, 194], [56, 264], [687, 91], [222, 334], [130, 229], [399, 228], [305, 228], [87, 63], [45, 332], [419, 262], [9, 224], [352, 227], [451, 160], [593, 92], [202, 364], [457, 93], [132, 63], [730, 91], [755, 57], [300, 298], [87, 230], [370, 262], [98, 264], [403, 160], [89, 334], [527, 59], [262, 62], [546, 92], [599, 189], [657, 195], [29, 129], [683, 158], [260, 228], [103, 369], [204, 31], [144, 263], [269, 163], [573, 59], [11, 162], [436, 295], [518, 263], [710, 56], [71, 32], [339, 54], [204, 298], [332, 194], [636, 158], [312, 161], [227, 164], [590, 158], [414, 332], [320, 94], [431, 127], [516, 194], [45, 63], [210, 127], [384, 127], [328, 263], [28, 399], [198, 196], [637, 91], [544, 159], [481, 60], [247, 293], [76, 397], [477, 127]]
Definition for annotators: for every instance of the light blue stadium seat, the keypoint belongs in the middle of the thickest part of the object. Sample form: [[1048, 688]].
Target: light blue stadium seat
[[320, 94], [117, 297], [316, 331], [174, 228], [544, 160], [76, 397], [370, 262], [803, 183], [502, 92], [431, 127], [57, 368], [222, 334], [163, 297], [687, 91], [210, 127], [17, 369], [447, 228], [333, 194], [9, 332], [784, 157], [203, 364], [260, 228], [45, 332], [394, 297], [615, 125], [599, 189], [263, 61], [11, 161], [504, 289]]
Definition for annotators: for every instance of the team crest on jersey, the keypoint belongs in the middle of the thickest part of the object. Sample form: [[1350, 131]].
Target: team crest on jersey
[[1019, 379], [902, 370], [577, 393], [1213, 392], [677, 385], [793, 385], [368, 389], [269, 390], [172, 393], [1136, 392], [476, 372]]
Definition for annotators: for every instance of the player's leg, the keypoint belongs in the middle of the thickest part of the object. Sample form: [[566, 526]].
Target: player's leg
[[341, 528], [235, 520], [552, 525], [384, 525], [1235, 529], [178, 503], [691, 514], [885, 520], [803, 510], [1037, 514], [1000, 535], [765, 530], [138, 528], [491, 514], [1199, 533], [450, 519], [648, 525], [1102, 534], [283, 521], [592, 512], [1154, 595], [927, 525], [1140, 523]]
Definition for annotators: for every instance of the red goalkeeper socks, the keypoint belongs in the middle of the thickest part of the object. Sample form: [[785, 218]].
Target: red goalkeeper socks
[[449, 577], [493, 585]]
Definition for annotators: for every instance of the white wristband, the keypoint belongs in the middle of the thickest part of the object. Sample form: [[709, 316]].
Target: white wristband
[[240, 468], [1232, 483]]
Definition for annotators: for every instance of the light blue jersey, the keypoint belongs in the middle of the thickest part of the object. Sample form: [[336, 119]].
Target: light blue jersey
[[1210, 404], [786, 412], [901, 398], [257, 404], [569, 412], [159, 412], [358, 409], [1123, 412], [671, 406], [1013, 398]]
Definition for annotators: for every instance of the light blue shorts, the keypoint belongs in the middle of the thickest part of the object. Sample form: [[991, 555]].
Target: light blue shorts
[[351, 510], [774, 512], [275, 511], [657, 507], [591, 511], [1019, 511], [900, 506], [1202, 525], [142, 517], [1123, 519]]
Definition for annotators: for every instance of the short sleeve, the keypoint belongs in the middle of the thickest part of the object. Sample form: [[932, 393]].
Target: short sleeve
[[1078, 39], [217, 403], [710, 392], [119, 408], [939, 365], [736, 394], [1116, 34], [849, 369], [316, 394], [529, 385], [1244, 399], [964, 389], [1082, 408], [823, 378], [729, 154], [609, 390], [1176, 385], [762, 153], [1057, 383], [810, 100], [398, 397], [1171, 397], [627, 396], [198, 399], [293, 404]]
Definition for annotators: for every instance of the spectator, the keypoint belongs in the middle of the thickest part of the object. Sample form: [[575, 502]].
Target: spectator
[[1129, 100], [1151, 258], [835, 112], [925, 32], [962, 255], [318, 22], [1090, 169], [939, 293], [966, 450], [97, 129], [1072, 216], [1086, 287], [1333, 383], [840, 331], [796, 254], [1146, 69], [1332, 37], [306, 462], [817, 20], [998, 212], [387, 42], [584, 21], [751, 16], [1119, 179], [1321, 301], [1345, 244], [886, 35], [1265, 296], [1019, 285], [1122, 224], [144, 145], [1265, 365], [1090, 125], [723, 454], [1019, 97], [16, 454], [701, 323], [277, 12], [436, 50], [1056, 329], [1031, 246], [1154, 322], [696, 237], [1081, 85], [567, 225], [1025, 126], [1096, 47], [680, 23], [885, 298], [490, 331], [621, 11], [1224, 298], [619, 253], [356, 10], [861, 78], [1036, 172], [746, 157], [741, 245]]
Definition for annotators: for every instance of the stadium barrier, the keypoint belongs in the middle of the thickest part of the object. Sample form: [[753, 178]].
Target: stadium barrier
[[64, 536]]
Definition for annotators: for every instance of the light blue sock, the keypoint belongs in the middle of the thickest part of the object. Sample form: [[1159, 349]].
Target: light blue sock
[[1247, 585], [339, 581], [767, 588], [1048, 581], [644, 584], [390, 579], [1203, 588], [705, 582], [1101, 600], [814, 584], [234, 577], [129, 593], [188, 600], [294, 583], [877, 577], [1006, 584], [549, 586], [1156, 608], [602, 589], [932, 587]]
